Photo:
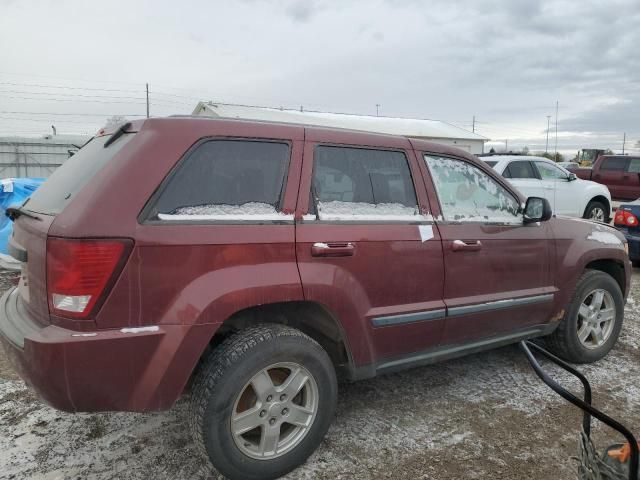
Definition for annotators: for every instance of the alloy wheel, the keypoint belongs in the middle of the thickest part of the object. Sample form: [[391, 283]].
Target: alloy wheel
[[597, 214], [274, 411], [596, 318]]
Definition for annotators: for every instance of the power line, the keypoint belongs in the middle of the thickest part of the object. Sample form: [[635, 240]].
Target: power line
[[69, 94], [75, 114], [12, 84], [76, 79], [67, 100]]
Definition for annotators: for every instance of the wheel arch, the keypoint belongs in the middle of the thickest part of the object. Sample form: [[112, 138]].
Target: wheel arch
[[312, 318], [611, 267], [598, 198]]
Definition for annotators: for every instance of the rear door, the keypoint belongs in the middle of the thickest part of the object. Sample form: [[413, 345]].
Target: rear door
[[497, 280], [632, 179], [366, 246], [611, 173], [525, 178]]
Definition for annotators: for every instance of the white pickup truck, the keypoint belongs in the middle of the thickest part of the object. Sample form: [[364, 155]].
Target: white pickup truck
[[567, 194]]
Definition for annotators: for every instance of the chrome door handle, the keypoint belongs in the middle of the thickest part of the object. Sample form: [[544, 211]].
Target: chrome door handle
[[321, 249], [468, 246]]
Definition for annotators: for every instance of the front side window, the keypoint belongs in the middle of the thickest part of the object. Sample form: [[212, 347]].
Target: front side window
[[360, 184], [634, 165], [550, 172], [614, 163], [520, 169], [226, 180], [467, 194]]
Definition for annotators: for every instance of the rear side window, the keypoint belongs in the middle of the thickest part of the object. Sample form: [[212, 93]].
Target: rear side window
[[67, 181], [226, 180], [519, 169], [360, 184], [614, 163], [634, 165]]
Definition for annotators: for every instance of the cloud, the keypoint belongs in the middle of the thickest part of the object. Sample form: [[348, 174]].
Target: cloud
[[506, 62], [302, 10]]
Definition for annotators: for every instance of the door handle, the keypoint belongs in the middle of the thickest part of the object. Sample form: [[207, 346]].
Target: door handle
[[467, 246], [321, 249]]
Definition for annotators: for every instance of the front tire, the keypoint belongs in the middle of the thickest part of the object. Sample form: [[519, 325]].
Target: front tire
[[592, 322], [596, 211], [263, 402]]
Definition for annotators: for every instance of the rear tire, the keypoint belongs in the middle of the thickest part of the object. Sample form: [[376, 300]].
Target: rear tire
[[596, 211], [251, 381], [635, 263], [585, 334]]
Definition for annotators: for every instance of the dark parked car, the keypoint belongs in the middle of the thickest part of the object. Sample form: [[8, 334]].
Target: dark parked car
[[620, 173], [627, 221], [255, 263]]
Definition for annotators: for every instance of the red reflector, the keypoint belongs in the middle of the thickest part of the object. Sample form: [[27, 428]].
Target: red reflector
[[625, 218], [78, 272]]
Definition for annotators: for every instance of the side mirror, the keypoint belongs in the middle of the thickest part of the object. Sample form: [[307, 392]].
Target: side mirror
[[537, 210], [572, 177]]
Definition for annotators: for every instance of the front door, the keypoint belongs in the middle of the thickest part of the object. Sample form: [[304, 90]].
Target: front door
[[566, 195], [497, 268], [366, 246], [631, 178]]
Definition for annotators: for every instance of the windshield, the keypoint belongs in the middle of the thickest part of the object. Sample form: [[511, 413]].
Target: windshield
[[65, 183]]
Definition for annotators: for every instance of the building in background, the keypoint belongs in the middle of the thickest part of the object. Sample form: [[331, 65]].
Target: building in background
[[432, 130], [36, 157]]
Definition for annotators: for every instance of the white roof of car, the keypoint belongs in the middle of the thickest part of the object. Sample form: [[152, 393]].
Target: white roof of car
[[408, 127], [504, 160]]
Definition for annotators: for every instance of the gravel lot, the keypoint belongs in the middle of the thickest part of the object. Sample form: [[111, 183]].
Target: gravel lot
[[483, 416]]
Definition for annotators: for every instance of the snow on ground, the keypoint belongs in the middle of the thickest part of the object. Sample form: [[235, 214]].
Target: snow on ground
[[483, 416]]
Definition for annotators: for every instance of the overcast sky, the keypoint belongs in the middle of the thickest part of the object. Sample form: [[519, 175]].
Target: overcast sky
[[504, 61]]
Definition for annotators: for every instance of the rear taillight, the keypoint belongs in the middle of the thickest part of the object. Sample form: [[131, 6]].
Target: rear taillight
[[79, 273], [625, 218]]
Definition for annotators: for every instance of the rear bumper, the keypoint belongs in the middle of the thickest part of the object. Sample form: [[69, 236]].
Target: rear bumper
[[106, 370]]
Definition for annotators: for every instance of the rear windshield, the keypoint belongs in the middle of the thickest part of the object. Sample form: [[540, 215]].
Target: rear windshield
[[63, 185], [491, 163]]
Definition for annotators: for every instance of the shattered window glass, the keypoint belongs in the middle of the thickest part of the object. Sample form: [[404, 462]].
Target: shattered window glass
[[467, 194]]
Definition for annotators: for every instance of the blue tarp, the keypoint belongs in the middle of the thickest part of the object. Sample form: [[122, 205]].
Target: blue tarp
[[13, 191]]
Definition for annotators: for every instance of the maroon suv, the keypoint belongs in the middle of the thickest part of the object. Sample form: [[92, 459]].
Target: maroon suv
[[257, 262]]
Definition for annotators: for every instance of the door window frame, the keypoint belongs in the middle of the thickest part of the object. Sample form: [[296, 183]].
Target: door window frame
[[435, 199], [535, 162], [534, 170], [423, 203], [145, 218], [614, 157]]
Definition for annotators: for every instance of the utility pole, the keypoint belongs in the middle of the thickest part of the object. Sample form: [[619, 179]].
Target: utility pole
[[624, 140], [147, 85], [546, 147], [555, 158], [473, 124], [377, 109], [506, 145]]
